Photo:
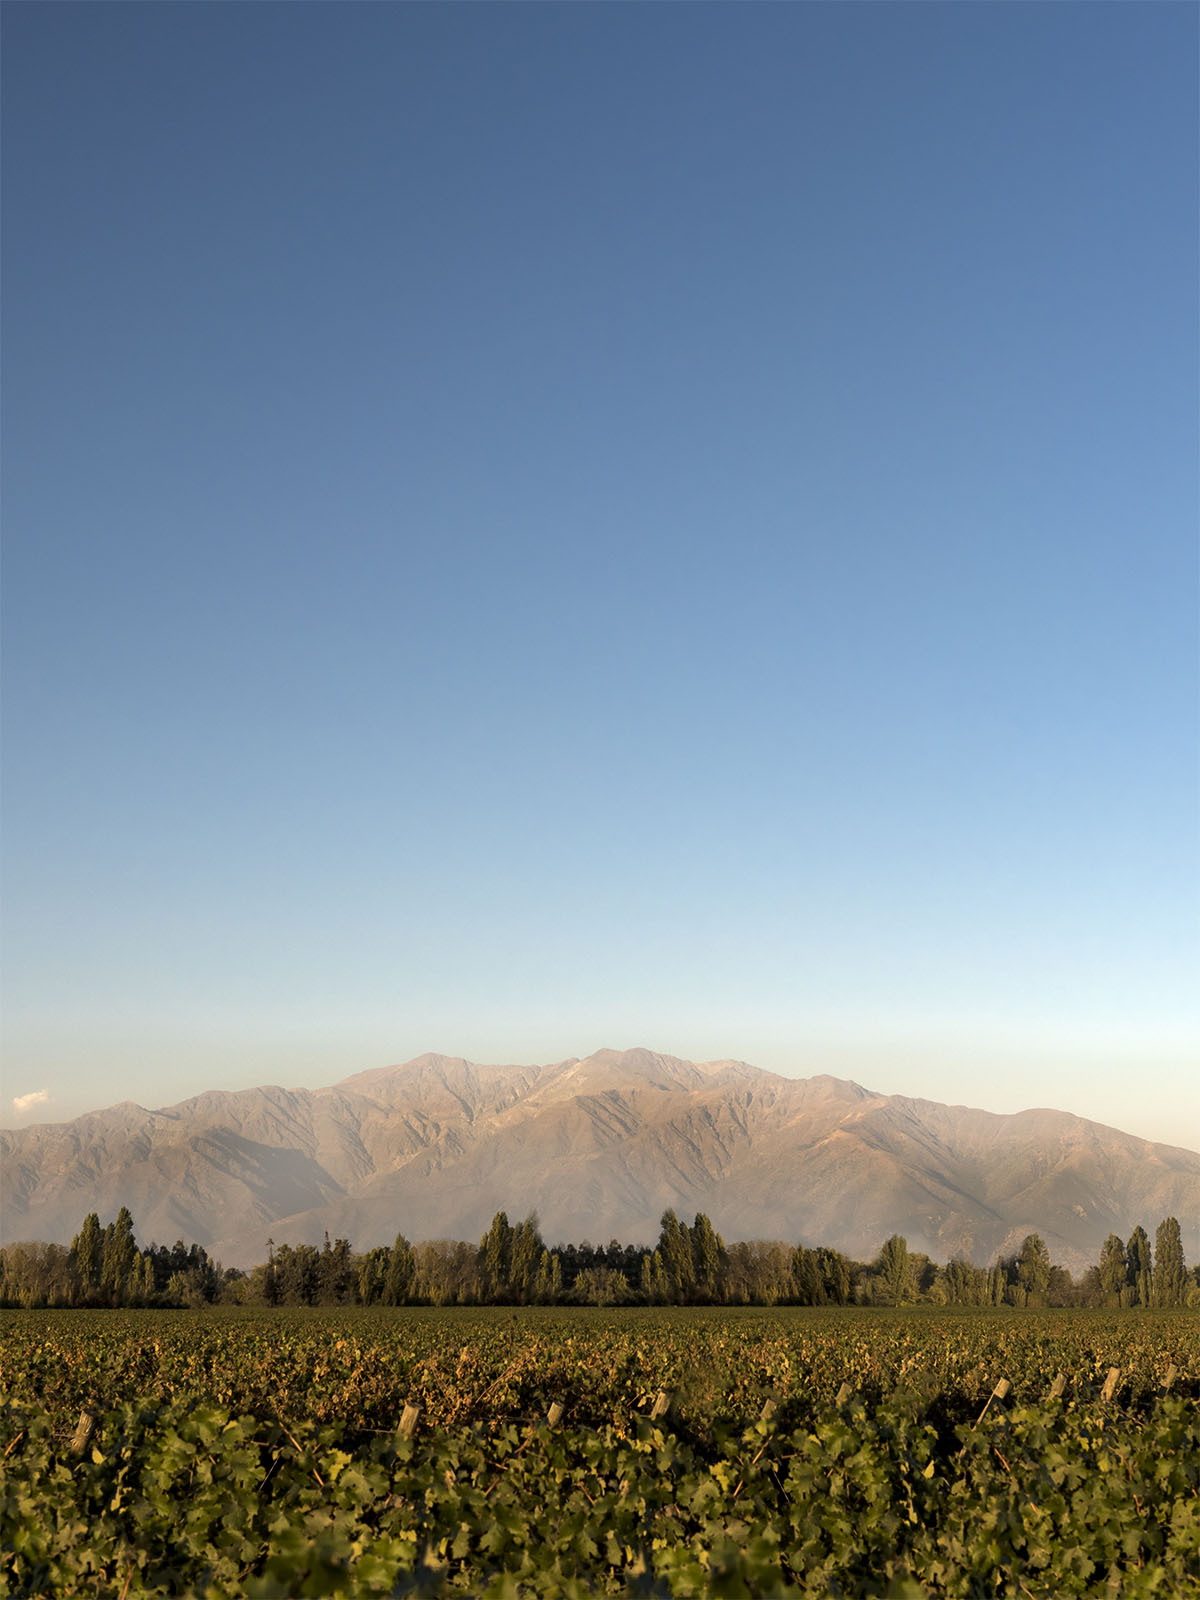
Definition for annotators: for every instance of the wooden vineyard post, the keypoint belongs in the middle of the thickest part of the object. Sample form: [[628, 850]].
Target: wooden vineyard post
[[409, 1418], [998, 1393], [844, 1394], [1059, 1387], [662, 1404], [555, 1414], [1110, 1384], [84, 1430], [1168, 1381]]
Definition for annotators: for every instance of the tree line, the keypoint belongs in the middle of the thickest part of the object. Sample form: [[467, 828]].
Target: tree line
[[104, 1267], [511, 1265]]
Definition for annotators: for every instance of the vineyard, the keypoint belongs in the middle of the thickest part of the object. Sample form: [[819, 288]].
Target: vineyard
[[510, 1453]]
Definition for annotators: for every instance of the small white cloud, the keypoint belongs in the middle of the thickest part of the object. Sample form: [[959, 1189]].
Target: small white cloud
[[22, 1102]]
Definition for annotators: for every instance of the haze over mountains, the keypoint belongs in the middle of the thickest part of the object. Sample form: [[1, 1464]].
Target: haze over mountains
[[599, 1147]]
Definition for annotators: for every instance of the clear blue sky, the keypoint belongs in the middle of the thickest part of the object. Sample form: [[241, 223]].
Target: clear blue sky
[[529, 528]]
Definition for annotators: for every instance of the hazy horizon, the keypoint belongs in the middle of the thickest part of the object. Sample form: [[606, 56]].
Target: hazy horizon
[[39, 1111], [534, 525]]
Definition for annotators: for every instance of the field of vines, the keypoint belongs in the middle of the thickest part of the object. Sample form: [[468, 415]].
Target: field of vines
[[577, 1453]]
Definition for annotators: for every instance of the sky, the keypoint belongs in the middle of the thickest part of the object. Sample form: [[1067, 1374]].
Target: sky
[[537, 528]]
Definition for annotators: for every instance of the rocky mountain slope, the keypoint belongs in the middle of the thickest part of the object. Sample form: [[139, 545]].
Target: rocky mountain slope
[[599, 1147]]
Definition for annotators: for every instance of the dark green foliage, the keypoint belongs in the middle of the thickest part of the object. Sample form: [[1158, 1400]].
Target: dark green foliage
[[894, 1274], [297, 1275], [400, 1272], [118, 1259], [1113, 1269], [964, 1284], [835, 1272], [527, 1249], [1139, 1262], [708, 1259], [808, 1287], [548, 1284], [708, 1250], [820, 1277], [373, 1268], [675, 1249], [1170, 1274], [87, 1258], [336, 1276], [1033, 1270], [495, 1251]]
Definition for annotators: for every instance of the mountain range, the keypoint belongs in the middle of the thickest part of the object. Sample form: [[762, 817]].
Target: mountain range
[[599, 1147]]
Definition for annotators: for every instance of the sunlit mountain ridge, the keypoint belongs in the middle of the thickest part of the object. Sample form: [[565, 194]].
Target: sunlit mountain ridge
[[599, 1147]]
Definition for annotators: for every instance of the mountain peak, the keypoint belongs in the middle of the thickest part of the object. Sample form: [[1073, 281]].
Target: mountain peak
[[600, 1146]]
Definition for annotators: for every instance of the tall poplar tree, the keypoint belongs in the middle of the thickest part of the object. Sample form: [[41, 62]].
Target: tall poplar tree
[[372, 1274], [965, 1284], [495, 1251], [894, 1272], [806, 1277], [547, 1286], [1113, 1268], [118, 1257], [401, 1270], [835, 1274], [675, 1247], [1170, 1274], [1138, 1262], [708, 1252], [87, 1256], [1033, 1269], [526, 1254], [655, 1287]]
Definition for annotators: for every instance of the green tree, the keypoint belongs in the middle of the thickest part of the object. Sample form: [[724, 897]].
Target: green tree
[[401, 1272], [1170, 1274], [270, 1278], [336, 1281], [372, 1275], [145, 1279], [1139, 1261], [894, 1272], [997, 1284], [285, 1276], [1113, 1269], [298, 1274], [601, 1286], [965, 1284], [835, 1275], [87, 1257], [35, 1275], [922, 1272], [1062, 1287], [675, 1248], [527, 1251], [1033, 1270], [708, 1256], [809, 1284], [449, 1273], [655, 1288], [118, 1257], [548, 1285], [495, 1256]]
